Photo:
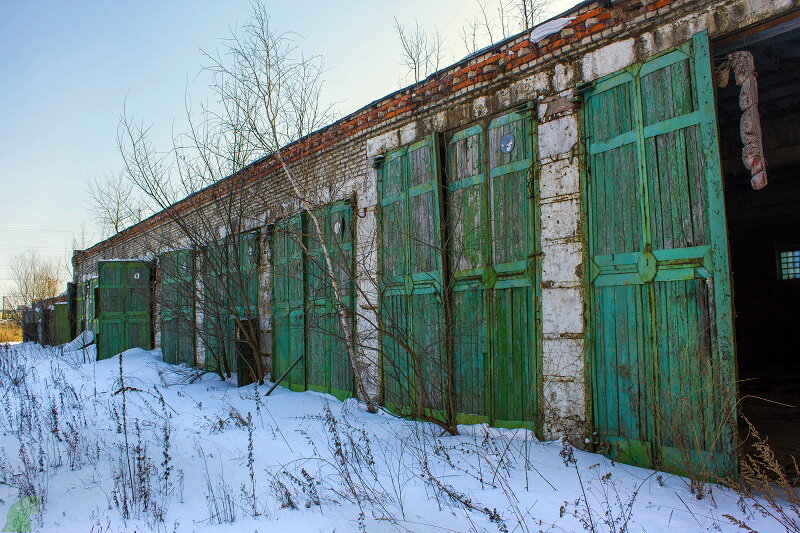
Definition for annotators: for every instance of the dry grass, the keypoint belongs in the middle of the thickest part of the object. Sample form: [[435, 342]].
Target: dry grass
[[10, 332], [767, 486]]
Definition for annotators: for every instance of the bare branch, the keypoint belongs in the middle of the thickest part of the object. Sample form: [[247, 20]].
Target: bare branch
[[422, 51], [34, 279]]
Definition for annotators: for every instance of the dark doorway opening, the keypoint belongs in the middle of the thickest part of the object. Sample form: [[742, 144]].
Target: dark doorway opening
[[764, 236]]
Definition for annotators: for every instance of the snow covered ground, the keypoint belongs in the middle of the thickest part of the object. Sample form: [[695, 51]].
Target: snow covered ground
[[127, 445]]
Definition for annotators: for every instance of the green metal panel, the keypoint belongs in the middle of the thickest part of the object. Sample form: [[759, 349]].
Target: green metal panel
[[123, 307], [177, 304], [494, 268], [230, 296], [663, 377], [306, 322], [61, 327], [413, 344]]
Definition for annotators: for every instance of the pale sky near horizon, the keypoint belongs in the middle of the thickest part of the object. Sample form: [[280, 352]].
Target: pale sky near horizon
[[67, 68]]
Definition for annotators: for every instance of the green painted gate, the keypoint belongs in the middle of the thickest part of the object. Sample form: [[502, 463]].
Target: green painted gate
[[328, 367], [494, 269], [306, 323], [61, 327], [663, 373], [413, 344], [218, 324], [288, 302], [123, 307], [230, 297], [177, 305]]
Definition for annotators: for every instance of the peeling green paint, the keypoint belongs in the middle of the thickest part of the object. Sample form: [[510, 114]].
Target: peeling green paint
[[123, 307], [663, 383], [177, 306]]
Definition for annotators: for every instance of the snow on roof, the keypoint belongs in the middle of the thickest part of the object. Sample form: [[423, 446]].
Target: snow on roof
[[548, 28]]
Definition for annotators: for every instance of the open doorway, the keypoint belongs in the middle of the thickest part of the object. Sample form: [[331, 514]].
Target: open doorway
[[764, 236]]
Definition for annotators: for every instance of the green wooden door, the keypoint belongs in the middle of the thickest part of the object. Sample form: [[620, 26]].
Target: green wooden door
[[244, 291], [61, 333], [177, 306], [663, 374], [218, 340], [123, 307], [306, 322], [493, 265], [413, 347], [230, 296], [288, 301], [327, 361], [243, 278]]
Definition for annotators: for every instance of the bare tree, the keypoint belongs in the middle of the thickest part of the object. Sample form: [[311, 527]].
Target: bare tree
[[499, 19], [529, 12], [34, 279], [268, 96], [422, 51], [269, 99], [80, 240], [115, 203]]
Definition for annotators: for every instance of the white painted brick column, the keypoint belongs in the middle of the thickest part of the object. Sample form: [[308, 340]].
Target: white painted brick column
[[265, 303], [564, 384], [366, 256]]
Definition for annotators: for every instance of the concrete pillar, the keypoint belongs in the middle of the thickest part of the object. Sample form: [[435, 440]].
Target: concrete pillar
[[564, 385]]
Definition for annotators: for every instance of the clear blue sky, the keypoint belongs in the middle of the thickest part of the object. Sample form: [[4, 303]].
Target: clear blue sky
[[67, 67]]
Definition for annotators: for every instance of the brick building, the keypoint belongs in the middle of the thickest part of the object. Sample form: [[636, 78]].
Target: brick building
[[570, 204]]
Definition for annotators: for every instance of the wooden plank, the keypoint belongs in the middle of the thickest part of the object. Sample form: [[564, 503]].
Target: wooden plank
[[661, 331], [515, 345]]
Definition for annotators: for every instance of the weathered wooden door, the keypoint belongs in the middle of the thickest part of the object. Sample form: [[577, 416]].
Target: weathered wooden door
[[411, 255], [306, 309], [61, 333], [328, 367], [243, 257], [231, 296], [493, 265], [288, 301], [177, 269], [663, 374], [124, 300], [218, 331]]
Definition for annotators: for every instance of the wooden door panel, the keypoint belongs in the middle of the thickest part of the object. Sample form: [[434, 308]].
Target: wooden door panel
[[411, 258], [663, 381], [288, 301], [493, 237]]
